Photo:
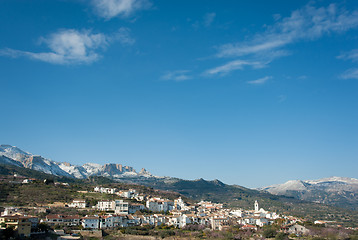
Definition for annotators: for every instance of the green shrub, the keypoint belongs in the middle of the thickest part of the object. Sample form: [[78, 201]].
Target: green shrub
[[269, 233], [281, 236]]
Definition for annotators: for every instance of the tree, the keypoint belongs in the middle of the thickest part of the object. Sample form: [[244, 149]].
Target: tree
[[43, 227], [8, 233], [269, 233]]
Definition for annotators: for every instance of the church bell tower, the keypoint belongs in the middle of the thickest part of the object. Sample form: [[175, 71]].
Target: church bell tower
[[256, 206]]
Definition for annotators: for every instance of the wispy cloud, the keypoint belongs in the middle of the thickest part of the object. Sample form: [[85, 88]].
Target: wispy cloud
[[121, 8], [305, 24], [178, 75], [241, 49], [260, 80], [123, 36], [206, 21], [351, 55], [350, 74], [233, 65], [308, 23], [209, 19], [70, 46]]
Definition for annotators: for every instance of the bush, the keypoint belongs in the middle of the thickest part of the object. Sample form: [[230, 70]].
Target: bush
[[281, 236], [166, 233], [269, 233], [43, 227], [8, 233]]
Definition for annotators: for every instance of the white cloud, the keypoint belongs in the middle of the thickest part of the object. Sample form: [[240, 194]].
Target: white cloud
[[351, 55], [233, 65], [259, 81], [206, 21], [179, 75], [123, 8], [247, 48], [209, 18], [123, 36], [350, 74], [308, 23], [72, 47]]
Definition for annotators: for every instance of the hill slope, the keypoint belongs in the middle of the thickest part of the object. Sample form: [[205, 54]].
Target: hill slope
[[337, 191], [216, 191], [240, 197]]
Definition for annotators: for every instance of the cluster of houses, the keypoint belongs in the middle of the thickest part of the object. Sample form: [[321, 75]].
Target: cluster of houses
[[131, 193], [156, 211], [23, 224], [208, 214]]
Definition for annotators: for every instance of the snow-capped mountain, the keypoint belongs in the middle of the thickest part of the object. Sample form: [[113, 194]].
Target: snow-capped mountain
[[337, 191], [9, 161], [12, 155]]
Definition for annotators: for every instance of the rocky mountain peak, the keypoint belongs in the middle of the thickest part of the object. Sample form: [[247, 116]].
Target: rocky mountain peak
[[15, 156]]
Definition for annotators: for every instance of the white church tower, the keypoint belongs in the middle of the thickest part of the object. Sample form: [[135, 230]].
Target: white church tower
[[256, 206]]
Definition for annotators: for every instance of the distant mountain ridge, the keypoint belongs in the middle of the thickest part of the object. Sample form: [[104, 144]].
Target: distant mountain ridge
[[12, 155], [338, 191]]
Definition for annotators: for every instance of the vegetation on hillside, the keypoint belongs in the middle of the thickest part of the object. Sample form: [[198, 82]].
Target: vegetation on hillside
[[39, 193], [240, 197]]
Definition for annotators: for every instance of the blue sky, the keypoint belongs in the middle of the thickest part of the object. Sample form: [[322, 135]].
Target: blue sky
[[247, 92]]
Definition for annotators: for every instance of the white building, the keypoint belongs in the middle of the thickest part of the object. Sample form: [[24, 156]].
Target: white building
[[237, 213], [134, 207], [78, 203], [90, 222], [210, 206], [272, 215], [261, 222], [27, 180], [111, 221], [105, 205], [159, 205], [121, 207], [218, 223], [118, 206], [131, 193], [179, 204], [57, 219], [184, 220], [9, 211], [139, 198], [298, 229], [105, 190]]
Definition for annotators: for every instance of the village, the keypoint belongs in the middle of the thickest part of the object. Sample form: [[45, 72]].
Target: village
[[131, 208]]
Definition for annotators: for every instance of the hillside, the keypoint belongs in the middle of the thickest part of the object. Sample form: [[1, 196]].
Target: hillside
[[14, 160], [30, 173], [241, 197], [38, 193], [336, 191], [216, 191]]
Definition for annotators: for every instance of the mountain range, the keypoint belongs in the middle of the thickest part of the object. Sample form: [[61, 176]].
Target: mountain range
[[12, 155], [336, 191]]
